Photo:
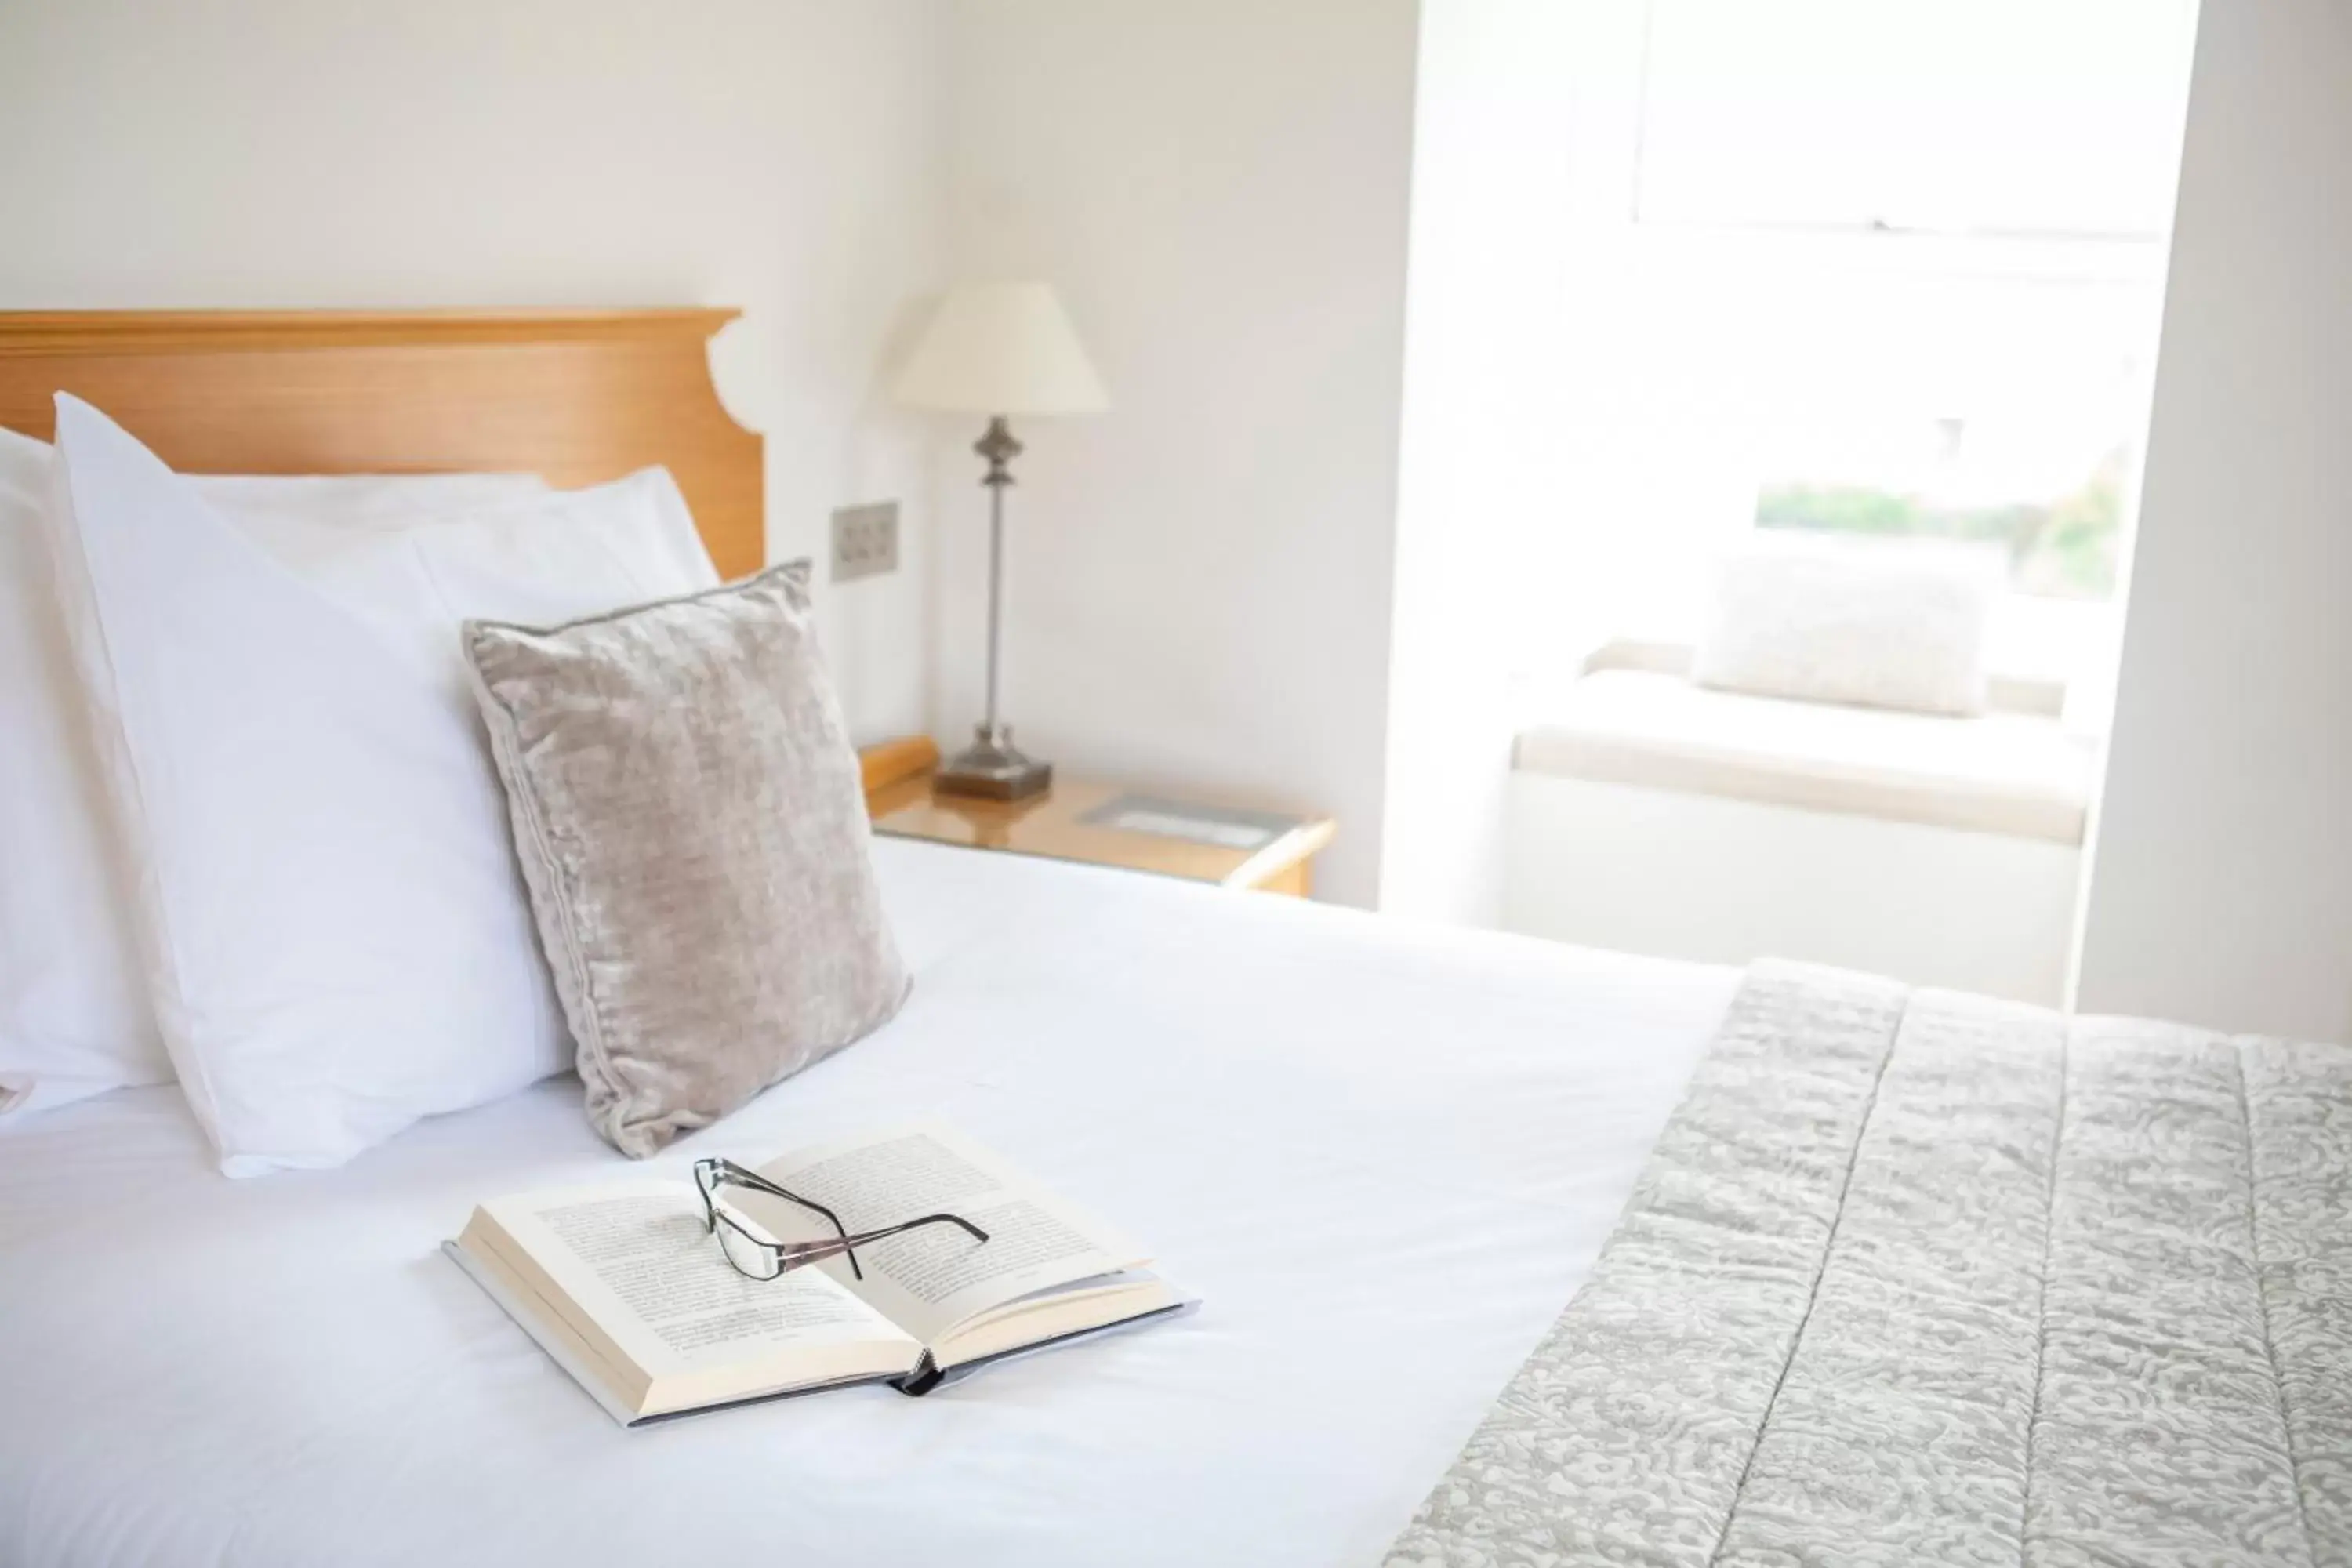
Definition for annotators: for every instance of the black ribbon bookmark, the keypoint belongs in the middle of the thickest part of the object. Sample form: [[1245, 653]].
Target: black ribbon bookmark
[[926, 1376]]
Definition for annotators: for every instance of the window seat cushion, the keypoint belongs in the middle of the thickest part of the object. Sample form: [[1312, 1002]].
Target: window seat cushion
[[2013, 773]]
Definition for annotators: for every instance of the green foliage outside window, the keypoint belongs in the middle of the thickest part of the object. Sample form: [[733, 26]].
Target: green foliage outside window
[[2066, 547]]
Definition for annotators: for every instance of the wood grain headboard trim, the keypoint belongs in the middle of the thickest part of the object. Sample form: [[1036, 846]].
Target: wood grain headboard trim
[[218, 331], [578, 396]]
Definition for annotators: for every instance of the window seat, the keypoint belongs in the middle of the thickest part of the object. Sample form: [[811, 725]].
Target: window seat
[[2013, 772]]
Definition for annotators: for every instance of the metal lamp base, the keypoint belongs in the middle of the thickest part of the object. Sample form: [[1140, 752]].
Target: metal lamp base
[[993, 768]]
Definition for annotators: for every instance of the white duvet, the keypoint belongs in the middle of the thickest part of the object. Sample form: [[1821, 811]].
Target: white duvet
[[1382, 1156]]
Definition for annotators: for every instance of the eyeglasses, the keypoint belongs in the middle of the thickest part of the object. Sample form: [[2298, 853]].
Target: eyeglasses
[[758, 1258]]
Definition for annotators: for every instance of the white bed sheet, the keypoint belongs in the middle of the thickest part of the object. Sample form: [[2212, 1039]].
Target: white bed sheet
[[1384, 1156]]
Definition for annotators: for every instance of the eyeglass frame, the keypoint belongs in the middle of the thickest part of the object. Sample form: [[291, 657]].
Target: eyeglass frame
[[713, 1172]]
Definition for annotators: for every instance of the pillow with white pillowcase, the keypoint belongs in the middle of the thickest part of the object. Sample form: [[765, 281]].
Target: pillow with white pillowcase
[[75, 1019], [1883, 623], [337, 938]]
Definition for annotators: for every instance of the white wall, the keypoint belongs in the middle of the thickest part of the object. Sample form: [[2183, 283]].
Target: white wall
[[1200, 578], [1485, 433], [2221, 879], [779, 155], [1729, 881]]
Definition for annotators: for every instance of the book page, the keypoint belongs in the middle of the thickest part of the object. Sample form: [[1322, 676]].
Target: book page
[[1056, 1314], [637, 1264], [929, 1279]]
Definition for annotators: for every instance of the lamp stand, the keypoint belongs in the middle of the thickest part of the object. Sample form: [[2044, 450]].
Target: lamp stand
[[993, 766]]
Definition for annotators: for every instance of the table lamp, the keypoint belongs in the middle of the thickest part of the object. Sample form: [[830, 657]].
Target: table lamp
[[1000, 350]]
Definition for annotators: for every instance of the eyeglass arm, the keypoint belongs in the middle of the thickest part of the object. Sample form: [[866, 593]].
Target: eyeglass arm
[[794, 1254]]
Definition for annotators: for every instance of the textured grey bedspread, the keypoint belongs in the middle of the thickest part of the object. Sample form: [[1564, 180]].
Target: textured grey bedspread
[[1915, 1278]]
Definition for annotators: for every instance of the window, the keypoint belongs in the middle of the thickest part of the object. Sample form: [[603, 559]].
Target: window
[[1942, 226], [1891, 266], [2029, 118]]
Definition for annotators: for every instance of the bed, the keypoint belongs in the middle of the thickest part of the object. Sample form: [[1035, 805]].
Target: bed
[[1509, 1253], [1382, 1157], [1381, 1214]]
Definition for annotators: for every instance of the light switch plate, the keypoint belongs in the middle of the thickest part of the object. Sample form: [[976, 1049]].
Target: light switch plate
[[865, 541]]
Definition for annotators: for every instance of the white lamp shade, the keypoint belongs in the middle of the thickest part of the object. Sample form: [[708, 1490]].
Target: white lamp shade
[[1000, 348]]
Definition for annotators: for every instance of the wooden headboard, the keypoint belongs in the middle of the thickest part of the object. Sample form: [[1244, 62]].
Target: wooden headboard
[[577, 396]]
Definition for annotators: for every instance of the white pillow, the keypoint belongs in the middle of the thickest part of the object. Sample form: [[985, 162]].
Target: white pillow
[[337, 941], [75, 1019], [1883, 624]]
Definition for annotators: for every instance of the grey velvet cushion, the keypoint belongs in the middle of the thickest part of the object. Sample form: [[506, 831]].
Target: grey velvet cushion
[[692, 826]]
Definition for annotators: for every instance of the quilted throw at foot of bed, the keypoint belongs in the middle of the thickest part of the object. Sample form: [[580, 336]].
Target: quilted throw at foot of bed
[[1915, 1278]]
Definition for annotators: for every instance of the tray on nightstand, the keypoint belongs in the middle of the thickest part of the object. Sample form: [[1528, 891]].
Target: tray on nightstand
[[1173, 834]]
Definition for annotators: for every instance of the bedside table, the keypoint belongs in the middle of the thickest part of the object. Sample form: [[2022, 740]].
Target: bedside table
[[1202, 837]]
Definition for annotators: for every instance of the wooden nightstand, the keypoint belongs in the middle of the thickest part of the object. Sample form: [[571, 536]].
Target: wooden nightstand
[[1100, 824]]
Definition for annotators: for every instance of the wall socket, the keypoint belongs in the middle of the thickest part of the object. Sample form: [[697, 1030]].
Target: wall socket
[[865, 541]]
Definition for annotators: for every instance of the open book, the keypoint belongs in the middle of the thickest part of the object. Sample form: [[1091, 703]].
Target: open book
[[623, 1286]]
